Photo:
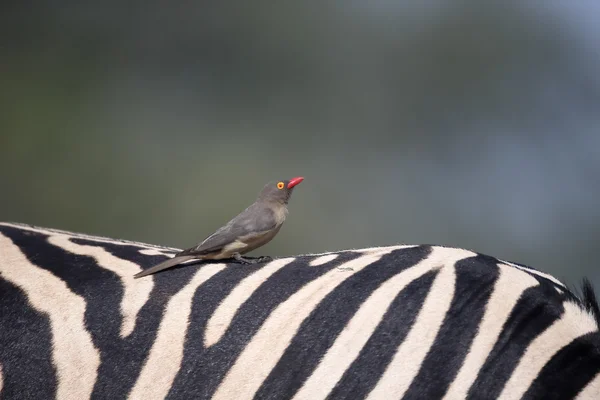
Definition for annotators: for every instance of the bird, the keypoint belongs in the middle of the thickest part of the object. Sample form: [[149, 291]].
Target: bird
[[252, 228]]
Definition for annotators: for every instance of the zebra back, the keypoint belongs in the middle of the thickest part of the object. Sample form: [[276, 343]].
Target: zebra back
[[407, 321]]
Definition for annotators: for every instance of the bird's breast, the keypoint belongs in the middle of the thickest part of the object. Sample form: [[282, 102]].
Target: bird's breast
[[257, 240], [280, 214]]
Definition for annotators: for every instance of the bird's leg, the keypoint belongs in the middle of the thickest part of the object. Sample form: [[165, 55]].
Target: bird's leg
[[250, 260]]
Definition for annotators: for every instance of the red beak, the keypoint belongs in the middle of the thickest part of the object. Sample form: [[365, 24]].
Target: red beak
[[294, 181]]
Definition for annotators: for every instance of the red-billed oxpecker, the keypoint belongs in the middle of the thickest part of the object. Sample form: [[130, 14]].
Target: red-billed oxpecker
[[251, 229]]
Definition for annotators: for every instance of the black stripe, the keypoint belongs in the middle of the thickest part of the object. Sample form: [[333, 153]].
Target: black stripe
[[76, 271], [568, 371], [475, 278], [25, 347], [536, 310], [319, 331], [209, 366], [364, 373]]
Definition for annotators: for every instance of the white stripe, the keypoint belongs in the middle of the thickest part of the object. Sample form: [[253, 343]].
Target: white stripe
[[223, 315], [155, 252], [73, 352], [135, 292], [574, 323], [383, 249], [410, 354], [323, 260], [591, 391], [508, 289], [355, 335], [266, 347], [1, 379], [534, 272], [164, 360]]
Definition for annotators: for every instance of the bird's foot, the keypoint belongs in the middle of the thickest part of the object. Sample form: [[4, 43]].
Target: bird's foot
[[251, 260]]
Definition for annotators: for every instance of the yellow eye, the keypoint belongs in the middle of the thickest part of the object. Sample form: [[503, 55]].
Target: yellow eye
[[280, 185]]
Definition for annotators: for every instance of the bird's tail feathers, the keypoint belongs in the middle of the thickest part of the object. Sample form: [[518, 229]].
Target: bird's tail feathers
[[163, 265]]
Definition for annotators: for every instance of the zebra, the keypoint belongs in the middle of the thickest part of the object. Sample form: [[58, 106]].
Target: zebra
[[395, 322]]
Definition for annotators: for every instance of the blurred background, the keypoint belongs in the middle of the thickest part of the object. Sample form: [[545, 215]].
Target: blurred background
[[463, 123]]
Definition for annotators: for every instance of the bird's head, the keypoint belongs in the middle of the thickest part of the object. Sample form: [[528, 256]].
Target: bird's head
[[279, 191]]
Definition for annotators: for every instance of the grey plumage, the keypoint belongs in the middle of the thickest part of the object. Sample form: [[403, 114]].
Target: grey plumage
[[255, 226]]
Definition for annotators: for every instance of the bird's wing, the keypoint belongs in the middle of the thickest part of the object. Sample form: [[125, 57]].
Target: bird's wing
[[255, 219]]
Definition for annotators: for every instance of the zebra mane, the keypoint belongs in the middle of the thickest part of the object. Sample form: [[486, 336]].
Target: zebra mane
[[589, 300]]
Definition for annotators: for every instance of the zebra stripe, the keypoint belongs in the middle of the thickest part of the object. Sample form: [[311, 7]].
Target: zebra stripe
[[541, 350], [221, 319], [536, 272], [378, 323], [409, 357], [167, 350], [322, 260], [506, 291], [591, 390], [284, 321], [48, 295], [362, 325], [135, 294]]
